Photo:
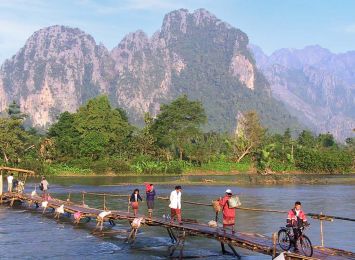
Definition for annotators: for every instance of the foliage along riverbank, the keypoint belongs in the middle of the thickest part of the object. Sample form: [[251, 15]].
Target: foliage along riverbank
[[100, 139], [208, 179]]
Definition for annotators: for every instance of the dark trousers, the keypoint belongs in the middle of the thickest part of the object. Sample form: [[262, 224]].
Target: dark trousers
[[296, 235]]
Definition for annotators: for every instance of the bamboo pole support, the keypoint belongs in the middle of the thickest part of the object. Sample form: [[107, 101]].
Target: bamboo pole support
[[128, 204], [274, 238], [1, 184], [104, 202], [321, 231], [83, 198]]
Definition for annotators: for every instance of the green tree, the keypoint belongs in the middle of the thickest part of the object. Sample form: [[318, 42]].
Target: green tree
[[102, 130], [306, 139], [65, 135], [249, 135], [144, 142], [14, 140], [178, 123], [14, 111], [350, 148], [326, 140]]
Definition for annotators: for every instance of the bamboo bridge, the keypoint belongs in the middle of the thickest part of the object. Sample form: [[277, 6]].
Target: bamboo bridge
[[178, 233], [82, 213]]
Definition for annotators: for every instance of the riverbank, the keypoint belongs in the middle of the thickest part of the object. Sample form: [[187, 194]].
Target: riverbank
[[208, 179]]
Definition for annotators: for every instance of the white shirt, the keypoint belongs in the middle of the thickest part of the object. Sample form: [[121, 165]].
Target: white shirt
[[175, 200], [297, 212], [45, 184], [10, 179]]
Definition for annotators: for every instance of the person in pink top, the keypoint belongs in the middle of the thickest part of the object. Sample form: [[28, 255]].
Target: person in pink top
[[228, 213], [296, 218]]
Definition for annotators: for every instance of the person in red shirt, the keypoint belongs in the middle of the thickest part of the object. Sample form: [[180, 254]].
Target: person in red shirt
[[228, 213], [296, 219]]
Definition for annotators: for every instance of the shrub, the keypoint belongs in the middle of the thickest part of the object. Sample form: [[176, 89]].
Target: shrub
[[149, 166], [278, 166], [325, 160], [33, 164], [60, 169]]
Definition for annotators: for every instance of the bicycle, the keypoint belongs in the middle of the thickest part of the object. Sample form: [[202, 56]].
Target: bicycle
[[285, 238]]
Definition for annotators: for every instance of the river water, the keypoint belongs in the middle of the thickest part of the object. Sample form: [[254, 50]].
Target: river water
[[26, 234]]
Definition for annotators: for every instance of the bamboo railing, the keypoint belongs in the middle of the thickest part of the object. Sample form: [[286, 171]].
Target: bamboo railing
[[17, 170]]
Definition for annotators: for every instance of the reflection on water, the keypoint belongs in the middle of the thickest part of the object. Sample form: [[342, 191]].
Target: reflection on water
[[28, 235]]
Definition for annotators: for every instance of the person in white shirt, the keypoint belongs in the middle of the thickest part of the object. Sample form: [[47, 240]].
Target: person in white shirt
[[10, 179], [175, 204], [44, 187]]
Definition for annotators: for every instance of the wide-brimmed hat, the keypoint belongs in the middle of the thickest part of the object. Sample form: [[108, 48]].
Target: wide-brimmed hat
[[228, 191]]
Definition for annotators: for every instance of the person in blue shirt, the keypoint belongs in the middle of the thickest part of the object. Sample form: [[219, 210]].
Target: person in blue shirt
[[150, 193]]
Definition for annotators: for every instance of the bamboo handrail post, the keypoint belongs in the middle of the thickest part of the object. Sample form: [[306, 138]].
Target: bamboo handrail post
[[274, 238], [321, 231], [104, 202], [83, 197], [128, 204]]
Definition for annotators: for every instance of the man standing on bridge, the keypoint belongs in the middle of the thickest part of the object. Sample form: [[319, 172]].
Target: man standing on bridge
[[10, 179], [44, 188], [175, 204]]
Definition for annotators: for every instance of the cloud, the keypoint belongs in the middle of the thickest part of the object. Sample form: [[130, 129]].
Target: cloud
[[350, 28], [151, 5], [114, 7]]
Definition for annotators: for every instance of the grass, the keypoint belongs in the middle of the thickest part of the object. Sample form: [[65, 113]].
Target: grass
[[66, 170]]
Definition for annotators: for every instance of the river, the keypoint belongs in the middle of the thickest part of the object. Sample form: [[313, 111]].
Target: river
[[26, 234]]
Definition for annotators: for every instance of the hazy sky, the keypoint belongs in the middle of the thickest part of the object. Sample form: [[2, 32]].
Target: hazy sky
[[271, 24]]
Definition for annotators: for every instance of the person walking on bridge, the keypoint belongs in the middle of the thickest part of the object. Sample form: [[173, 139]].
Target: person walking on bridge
[[135, 197], [175, 204], [228, 211], [10, 179], [44, 188], [150, 195]]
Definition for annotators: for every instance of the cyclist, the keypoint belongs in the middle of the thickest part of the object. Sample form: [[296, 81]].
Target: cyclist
[[296, 219]]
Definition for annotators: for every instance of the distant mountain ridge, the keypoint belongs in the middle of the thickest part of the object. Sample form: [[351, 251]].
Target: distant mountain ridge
[[315, 84], [60, 68]]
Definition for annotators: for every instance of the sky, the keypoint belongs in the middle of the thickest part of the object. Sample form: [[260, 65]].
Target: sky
[[270, 24]]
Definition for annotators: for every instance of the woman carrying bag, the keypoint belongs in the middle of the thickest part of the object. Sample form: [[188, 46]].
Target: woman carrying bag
[[228, 205]]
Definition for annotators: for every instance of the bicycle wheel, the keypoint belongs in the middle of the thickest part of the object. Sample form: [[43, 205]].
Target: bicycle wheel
[[305, 245], [284, 240]]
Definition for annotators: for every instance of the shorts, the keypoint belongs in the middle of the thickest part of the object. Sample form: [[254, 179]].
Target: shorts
[[150, 204]]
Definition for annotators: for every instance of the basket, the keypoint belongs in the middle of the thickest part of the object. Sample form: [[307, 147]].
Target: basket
[[216, 206]]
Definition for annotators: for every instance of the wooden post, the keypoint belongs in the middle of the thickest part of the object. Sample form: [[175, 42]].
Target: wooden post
[[68, 199], [274, 238], [83, 198], [104, 201], [321, 231], [128, 204], [1, 184]]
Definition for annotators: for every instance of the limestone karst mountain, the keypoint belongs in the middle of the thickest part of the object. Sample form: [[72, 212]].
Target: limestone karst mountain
[[59, 68], [316, 85]]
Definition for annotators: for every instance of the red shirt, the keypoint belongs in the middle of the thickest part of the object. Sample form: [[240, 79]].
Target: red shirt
[[292, 217], [227, 212]]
